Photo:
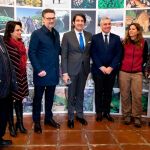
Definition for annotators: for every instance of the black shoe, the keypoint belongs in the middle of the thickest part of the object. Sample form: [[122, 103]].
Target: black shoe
[[37, 128], [5, 142], [20, 127], [81, 120], [99, 117], [70, 124], [52, 123], [12, 131], [108, 117]]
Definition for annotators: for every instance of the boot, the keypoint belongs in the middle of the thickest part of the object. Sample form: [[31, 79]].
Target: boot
[[11, 127], [19, 115]]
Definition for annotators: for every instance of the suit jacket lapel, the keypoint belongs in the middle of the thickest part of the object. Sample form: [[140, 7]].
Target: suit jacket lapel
[[86, 39], [102, 40], [74, 39]]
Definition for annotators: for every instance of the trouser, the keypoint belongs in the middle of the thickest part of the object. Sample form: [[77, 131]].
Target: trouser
[[37, 101], [3, 115], [131, 93], [76, 94], [103, 91]]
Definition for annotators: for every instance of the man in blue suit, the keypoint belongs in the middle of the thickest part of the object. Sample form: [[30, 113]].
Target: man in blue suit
[[44, 50], [106, 53]]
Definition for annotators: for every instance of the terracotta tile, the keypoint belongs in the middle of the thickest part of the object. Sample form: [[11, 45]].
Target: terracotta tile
[[93, 125], [136, 147], [119, 126], [77, 126], [46, 138], [28, 123], [13, 148], [146, 135], [21, 139], [97, 134], [90, 117], [105, 147], [47, 127], [61, 116], [41, 147], [103, 137], [72, 137], [74, 148], [128, 137]]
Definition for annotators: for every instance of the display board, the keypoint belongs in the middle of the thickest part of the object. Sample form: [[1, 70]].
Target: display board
[[121, 12]]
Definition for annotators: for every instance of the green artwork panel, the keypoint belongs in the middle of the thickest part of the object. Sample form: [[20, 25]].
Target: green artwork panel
[[110, 4]]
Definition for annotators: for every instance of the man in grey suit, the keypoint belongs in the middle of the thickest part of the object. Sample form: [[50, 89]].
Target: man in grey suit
[[75, 61]]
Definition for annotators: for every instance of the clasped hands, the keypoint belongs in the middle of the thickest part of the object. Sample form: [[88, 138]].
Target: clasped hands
[[106, 70]]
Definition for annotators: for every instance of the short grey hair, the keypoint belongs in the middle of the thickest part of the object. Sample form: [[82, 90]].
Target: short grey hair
[[103, 19]]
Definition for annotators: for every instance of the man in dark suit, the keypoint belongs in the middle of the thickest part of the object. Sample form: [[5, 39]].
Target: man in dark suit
[[44, 50], [106, 53], [6, 80], [76, 67]]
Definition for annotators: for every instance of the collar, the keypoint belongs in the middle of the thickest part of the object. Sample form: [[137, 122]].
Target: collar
[[77, 32], [103, 33], [46, 30]]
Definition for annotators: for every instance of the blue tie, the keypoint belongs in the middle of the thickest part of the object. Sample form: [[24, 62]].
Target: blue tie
[[81, 42]]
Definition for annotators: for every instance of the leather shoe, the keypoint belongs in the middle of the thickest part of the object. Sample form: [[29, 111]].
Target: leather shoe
[[37, 128], [52, 123], [108, 117], [99, 117], [81, 120], [70, 124], [5, 142]]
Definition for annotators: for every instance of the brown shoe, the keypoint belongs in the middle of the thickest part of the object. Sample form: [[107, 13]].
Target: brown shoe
[[137, 122], [127, 120]]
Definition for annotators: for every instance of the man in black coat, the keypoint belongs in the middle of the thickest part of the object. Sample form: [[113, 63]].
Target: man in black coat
[[6, 81]]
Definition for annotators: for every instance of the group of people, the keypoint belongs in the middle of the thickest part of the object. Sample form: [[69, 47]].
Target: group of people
[[110, 57]]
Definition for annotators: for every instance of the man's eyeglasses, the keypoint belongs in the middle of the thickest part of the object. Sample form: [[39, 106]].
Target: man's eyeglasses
[[50, 18]]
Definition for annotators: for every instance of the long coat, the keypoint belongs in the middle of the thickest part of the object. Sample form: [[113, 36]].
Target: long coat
[[7, 73], [22, 83], [44, 50]]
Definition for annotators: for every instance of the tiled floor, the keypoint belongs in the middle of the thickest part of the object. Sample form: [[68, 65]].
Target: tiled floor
[[95, 136]]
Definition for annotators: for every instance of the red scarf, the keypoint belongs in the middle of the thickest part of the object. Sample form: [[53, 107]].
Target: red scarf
[[22, 52]]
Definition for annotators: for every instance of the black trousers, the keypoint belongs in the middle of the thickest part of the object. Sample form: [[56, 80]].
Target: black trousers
[[37, 102], [3, 115], [103, 91]]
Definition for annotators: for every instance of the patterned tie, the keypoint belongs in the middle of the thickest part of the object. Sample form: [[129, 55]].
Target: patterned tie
[[81, 41], [106, 41]]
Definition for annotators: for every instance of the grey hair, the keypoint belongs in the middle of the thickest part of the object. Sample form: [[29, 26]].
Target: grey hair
[[103, 19]]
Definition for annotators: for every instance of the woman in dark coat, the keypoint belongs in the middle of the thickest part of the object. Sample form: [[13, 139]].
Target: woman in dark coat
[[17, 53]]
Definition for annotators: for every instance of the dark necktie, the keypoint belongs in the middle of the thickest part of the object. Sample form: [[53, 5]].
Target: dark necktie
[[106, 40], [81, 42]]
